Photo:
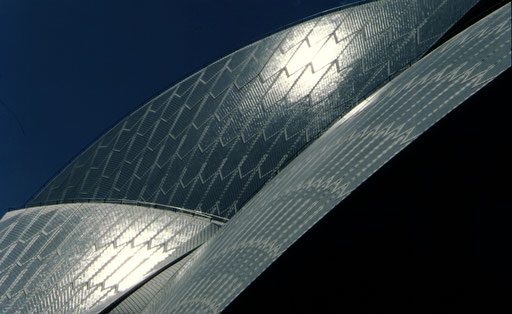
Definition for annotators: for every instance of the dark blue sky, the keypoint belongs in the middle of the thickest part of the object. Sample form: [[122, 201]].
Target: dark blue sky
[[70, 69]]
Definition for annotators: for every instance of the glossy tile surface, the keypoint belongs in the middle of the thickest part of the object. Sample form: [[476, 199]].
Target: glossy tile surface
[[139, 299], [214, 139], [336, 164], [73, 257], [250, 137]]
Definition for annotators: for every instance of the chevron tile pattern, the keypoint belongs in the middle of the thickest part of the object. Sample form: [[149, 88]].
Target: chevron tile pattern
[[211, 142], [73, 257], [336, 164], [138, 300]]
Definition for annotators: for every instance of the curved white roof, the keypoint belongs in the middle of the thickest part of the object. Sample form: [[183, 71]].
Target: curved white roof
[[75, 257], [210, 142]]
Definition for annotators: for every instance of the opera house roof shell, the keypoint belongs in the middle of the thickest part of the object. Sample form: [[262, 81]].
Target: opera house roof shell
[[187, 200]]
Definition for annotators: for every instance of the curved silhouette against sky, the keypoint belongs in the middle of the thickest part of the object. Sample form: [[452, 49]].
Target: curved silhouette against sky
[[70, 70]]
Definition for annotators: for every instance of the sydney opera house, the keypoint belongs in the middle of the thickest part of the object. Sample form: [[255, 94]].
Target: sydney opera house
[[184, 203]]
